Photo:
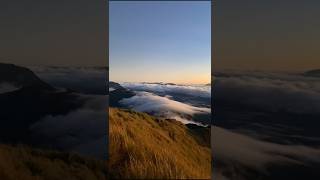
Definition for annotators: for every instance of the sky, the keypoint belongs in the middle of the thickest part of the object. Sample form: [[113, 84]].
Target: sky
[[53, 32], [268, 35], [160, 42], [249, 35]]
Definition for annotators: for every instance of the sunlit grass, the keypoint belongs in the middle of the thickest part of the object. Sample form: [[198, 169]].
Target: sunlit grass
[[144, 147]]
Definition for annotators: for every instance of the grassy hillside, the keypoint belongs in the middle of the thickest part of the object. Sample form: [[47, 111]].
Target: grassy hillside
[[142, 146], [29, 164]]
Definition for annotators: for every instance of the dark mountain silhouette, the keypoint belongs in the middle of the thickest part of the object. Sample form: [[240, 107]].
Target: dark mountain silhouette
[[118, 93], [33, 101], [21, 77], [313, 73], [115, 85]]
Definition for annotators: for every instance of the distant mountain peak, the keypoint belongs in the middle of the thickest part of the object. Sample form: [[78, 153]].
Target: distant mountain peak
[[21, 77], [312, 73]]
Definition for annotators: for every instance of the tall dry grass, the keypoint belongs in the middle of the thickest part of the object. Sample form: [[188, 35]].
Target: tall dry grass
[[24, 163], [145, 147]]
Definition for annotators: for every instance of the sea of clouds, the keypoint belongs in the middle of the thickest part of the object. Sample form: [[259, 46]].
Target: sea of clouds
[[236, 155], [83, 130], [190, 90], [164, 107], [270, 91], [180, 102]]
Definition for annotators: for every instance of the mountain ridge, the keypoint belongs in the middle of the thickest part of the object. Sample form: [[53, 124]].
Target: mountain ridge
[[21, 77], [312, 73]]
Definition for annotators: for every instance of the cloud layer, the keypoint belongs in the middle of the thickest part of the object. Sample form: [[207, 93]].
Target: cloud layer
[[234, 154], [81, 79], [244, 157], [270, 91], [191, 90], [83, 130], [163, 106]]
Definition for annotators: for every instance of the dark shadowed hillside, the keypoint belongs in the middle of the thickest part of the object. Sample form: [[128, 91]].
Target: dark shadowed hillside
[[32, 100], [29, 164], [40, 115], [20, 77]]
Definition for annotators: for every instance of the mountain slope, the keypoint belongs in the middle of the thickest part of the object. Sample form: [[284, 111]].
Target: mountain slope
[[28, 164], [142, 146]]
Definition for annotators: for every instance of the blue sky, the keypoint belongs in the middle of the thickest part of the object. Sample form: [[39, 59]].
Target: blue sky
[[160, 41]]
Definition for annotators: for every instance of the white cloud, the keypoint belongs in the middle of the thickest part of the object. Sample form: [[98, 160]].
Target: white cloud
[[163, 106]]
